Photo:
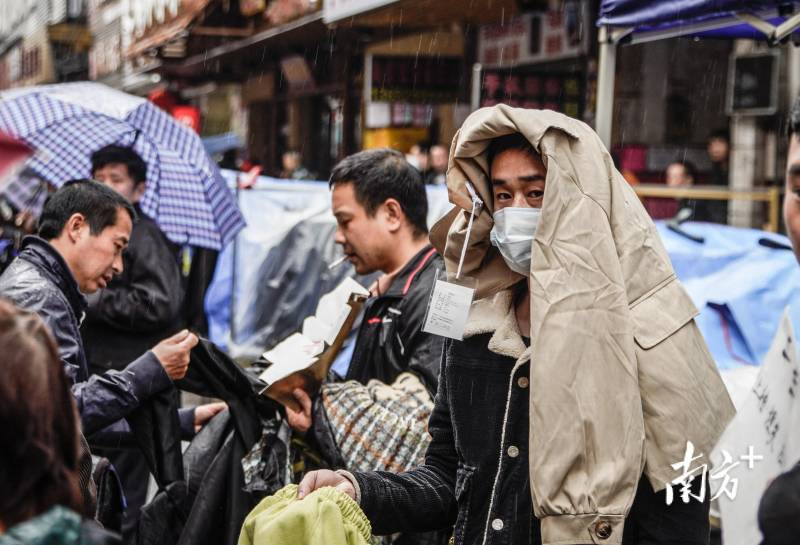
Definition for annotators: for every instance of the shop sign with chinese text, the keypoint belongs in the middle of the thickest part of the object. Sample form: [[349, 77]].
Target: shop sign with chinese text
[[535, 37]]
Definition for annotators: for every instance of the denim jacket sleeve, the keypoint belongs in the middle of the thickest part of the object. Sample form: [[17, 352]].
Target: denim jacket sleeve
[[421, 499]]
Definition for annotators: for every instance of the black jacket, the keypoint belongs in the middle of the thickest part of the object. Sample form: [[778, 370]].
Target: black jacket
[[39, 281], [202, 496], [476, 468], [139, 307], [390, 339], [779, 509]]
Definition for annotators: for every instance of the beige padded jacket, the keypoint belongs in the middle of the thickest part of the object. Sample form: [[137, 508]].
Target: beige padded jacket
[[621, 377]]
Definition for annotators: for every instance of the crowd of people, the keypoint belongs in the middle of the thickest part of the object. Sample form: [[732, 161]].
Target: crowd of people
[[555, 416], [430, 161]]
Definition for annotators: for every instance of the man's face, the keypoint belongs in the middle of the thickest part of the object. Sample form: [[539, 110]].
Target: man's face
[[718, 150], [290, 161], [439, 159], [517, 180], [100, 256], [677, 176], [366, 240], [117, 177], [791, 202]]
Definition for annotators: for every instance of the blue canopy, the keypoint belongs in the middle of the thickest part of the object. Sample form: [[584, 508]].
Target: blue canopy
[[714, 18], [637, 21]]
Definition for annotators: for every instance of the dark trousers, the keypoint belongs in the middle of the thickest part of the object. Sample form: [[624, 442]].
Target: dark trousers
[[653, 522]]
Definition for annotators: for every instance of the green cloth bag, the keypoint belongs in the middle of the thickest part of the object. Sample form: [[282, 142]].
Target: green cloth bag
[[325, 517]]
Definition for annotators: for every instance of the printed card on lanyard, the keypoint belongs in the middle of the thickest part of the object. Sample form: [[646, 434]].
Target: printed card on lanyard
[[451, 296]]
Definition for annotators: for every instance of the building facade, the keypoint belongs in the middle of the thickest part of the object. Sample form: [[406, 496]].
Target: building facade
[[43, 42]]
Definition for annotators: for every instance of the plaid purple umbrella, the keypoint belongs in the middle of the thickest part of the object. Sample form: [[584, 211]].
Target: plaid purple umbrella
[[27, 192], [186, 194]]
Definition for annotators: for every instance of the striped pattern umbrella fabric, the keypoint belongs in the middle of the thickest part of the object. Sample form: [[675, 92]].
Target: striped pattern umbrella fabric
[[186, 194], [27, 192]]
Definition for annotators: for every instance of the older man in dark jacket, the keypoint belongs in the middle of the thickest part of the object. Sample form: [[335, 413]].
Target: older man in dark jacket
[[83, 231]]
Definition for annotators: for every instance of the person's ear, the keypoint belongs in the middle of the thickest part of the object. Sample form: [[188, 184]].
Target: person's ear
[[75, 227], [393, 214], [138, 192]]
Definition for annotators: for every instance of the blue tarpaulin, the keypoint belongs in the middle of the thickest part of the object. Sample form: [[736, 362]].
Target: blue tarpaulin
[[653, 15], [637, 13], [740, 285]]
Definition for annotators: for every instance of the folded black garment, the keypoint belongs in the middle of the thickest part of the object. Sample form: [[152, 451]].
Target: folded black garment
[[202, 498]]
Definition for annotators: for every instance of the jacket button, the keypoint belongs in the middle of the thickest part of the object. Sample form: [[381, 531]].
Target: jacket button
[[522, 382], [603, 530], [497, 524], [513, 451]]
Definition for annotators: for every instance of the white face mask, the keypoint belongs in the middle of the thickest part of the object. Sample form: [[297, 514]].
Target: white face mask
[[512, 234]]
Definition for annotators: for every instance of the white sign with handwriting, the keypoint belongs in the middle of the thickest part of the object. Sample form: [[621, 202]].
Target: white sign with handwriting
[[768, 424], [448, 310]]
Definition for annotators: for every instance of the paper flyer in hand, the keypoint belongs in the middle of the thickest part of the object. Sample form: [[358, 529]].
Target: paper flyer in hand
[[314, 348]]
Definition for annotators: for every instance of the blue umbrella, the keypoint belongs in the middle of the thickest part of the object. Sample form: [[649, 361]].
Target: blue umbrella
[[185, 195]]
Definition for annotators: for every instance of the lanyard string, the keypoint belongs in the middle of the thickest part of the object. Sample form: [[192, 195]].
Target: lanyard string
[[477, 203]]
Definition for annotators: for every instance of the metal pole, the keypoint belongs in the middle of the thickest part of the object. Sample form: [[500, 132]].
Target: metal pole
[[793, 76], [233, 308], [475, 95], [367, 79], [605, 86]]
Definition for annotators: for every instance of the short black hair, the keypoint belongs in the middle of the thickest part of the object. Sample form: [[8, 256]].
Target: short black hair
[[137, 168], [793, 123], [96, 202], [720, 134], [381, 174], [515, 141]]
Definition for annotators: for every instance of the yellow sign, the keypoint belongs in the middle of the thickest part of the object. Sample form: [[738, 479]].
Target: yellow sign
[[401, 138]]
